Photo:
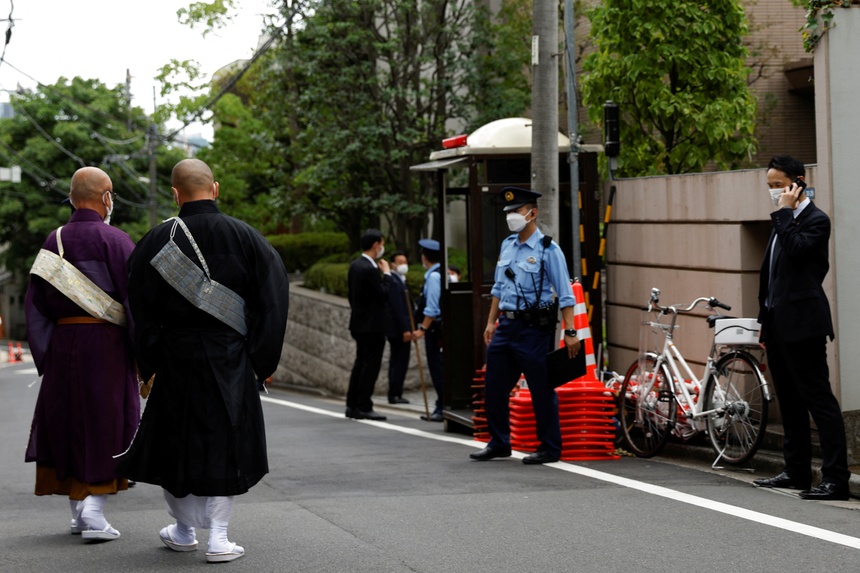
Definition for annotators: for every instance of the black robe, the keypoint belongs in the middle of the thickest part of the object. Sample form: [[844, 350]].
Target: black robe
[[202, 430]]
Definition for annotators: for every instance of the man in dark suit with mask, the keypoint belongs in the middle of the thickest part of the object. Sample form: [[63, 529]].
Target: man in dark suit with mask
[[369, 281], [796, 323]]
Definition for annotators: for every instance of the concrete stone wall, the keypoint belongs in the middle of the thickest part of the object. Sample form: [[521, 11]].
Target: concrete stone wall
[[319, 352], [837, 83]]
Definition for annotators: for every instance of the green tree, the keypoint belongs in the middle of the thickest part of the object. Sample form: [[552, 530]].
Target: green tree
[[500, 81], [253, 108], [354, 92], [55, 131], [677, 71], [379, 80]]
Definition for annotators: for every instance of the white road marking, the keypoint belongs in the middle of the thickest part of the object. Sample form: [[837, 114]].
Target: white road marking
[[733, 510]]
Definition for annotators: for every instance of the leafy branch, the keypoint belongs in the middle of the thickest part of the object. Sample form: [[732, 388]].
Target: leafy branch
[[819, 19]]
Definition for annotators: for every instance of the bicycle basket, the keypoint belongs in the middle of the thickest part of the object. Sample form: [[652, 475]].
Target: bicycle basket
[[651, 332], [736, 332]]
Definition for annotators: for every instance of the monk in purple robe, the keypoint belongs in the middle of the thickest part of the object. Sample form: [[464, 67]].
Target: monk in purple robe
[[88, 406]]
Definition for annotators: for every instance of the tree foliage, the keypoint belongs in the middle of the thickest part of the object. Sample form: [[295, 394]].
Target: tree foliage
[[352, 94], [677, 71], [55, 131]]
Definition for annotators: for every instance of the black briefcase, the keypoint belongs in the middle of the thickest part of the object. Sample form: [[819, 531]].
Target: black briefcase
[[560, 369]]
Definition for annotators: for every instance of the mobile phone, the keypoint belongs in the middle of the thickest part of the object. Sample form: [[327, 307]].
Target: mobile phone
[[800, 183]]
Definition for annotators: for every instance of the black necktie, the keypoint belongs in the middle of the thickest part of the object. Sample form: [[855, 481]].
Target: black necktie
[[770, 280]]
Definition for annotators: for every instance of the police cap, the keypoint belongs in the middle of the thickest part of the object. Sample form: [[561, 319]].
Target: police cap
[[429, 245], [515, 197]]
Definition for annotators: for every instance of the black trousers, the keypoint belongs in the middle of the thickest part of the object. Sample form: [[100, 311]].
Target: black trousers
[[515, 349], [802, 379], [365, 370], [398, 364], [433, 348]]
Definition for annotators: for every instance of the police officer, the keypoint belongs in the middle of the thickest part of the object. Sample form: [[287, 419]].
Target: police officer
[[430, 326], [529, 269]]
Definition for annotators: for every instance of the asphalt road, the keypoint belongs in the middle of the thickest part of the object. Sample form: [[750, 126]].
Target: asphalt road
[[402, 496]]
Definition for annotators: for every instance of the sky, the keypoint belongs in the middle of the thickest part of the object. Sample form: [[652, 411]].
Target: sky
[[101, 39]]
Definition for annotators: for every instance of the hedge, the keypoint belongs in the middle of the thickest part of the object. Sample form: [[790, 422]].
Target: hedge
[[301, 250], [332, 278]]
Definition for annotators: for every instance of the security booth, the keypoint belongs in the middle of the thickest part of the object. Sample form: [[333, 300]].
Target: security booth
[[469, 174]]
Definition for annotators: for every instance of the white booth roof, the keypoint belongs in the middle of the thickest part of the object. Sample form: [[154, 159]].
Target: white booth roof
[[509, 135]]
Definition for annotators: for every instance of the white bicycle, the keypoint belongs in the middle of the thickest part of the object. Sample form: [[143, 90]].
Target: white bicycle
[[661, 395]]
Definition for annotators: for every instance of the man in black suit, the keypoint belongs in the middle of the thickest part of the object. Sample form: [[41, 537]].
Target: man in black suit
[[368, 293], [795, 318], [398, 329]]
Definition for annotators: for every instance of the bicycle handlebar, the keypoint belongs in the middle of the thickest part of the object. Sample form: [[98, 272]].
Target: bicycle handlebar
[[654, 302]]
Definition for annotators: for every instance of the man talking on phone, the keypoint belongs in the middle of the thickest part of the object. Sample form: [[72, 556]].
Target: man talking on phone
[[795, 318]]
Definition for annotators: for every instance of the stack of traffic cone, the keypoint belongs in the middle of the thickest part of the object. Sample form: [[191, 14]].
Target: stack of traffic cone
[[12, 358], [19, 356], [586, 411], [523, 423], [479, 412], [586, 408]]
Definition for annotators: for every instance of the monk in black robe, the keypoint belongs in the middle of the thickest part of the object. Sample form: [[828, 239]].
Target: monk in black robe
[[202, 437]]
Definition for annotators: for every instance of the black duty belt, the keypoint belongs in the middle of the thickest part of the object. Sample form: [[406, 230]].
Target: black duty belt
[[530, 314]]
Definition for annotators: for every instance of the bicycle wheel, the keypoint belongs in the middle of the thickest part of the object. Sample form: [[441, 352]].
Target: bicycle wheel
[[734, 390], [647, 407]]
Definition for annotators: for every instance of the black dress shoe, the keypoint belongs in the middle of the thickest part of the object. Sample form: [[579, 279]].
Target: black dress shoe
[[354, 414], [826, 490], [434, 417], [489, 453], [371, 415], [540, 458], [398, 400], [782, 480]]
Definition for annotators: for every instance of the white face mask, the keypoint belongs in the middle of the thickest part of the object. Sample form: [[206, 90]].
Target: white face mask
[[774, 195], [516, 222], [452, 279], [381, 252], [402, 269]]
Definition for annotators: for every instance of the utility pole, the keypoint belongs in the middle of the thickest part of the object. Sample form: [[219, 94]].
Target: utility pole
[[127, 95], [573, 130], [152, 135], [545, 110]]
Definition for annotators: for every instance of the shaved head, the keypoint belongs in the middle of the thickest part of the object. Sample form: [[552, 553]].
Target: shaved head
[[88, 186], [193, 180]]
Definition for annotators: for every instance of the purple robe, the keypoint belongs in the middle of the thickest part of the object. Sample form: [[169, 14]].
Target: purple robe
[[88, 406]]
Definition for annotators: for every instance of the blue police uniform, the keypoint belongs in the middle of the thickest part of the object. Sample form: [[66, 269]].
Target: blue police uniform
[[526, 275], [433, 336]]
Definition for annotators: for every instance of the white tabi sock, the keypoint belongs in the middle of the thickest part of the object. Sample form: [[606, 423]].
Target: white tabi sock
[[184, 533], [75, 506], [92, 512], [218, 542], [77, 523]]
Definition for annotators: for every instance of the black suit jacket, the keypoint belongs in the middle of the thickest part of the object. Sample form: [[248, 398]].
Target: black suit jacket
[[397, 311], [368, 294], [798, 305]]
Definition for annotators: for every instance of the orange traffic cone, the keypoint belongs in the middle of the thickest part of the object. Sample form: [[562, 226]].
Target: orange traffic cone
[[580, 323], [19, 357], [11, 358]]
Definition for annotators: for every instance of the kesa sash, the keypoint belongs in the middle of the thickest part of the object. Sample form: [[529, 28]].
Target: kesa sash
[[63, 276], [196, 285]]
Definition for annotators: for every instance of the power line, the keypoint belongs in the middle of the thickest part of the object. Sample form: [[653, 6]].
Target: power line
[[8, 30], [44, 179], [83, 108], [226, 88], [47, 136]]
